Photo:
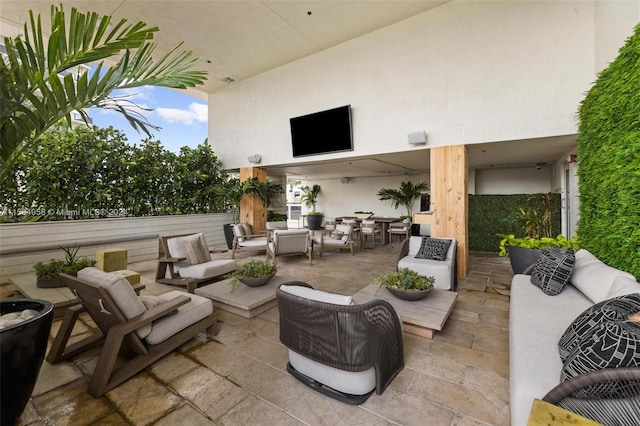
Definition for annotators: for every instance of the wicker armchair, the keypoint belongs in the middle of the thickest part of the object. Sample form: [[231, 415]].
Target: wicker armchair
[[609, 411], [342, 350]]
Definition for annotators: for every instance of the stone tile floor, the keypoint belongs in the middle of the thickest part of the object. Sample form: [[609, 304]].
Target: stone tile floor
[[461, 377]]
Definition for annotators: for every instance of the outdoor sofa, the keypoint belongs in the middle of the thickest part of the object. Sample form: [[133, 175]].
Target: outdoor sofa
[[542, 326]]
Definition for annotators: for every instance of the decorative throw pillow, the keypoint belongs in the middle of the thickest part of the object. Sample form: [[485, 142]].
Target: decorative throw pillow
[[616, 309], [197, 252], [612, 345], [336, 235], [151, 301], [238, 232], [433, 248], [246, 230], [553, 269]]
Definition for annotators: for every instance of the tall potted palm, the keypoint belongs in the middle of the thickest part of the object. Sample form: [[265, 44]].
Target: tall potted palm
[[37, 91], [404, 196], [310, 198]]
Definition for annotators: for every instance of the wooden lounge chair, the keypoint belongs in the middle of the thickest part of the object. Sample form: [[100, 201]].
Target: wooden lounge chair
[[124, 322], [244, 239], [344, 239], [187, 267], [289, 242]]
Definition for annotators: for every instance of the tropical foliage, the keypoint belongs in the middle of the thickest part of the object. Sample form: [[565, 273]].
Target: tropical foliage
[[310, 197], [89, 173], [37, 89], [404, 196], [535, 243], [609, 170]]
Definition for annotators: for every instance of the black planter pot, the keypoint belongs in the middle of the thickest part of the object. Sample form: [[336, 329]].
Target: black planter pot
[[522, 258], [228, 234], [314, 222], [22, 350]]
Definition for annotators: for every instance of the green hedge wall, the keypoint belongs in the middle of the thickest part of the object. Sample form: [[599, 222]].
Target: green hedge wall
[[495, 214], [609, 162]]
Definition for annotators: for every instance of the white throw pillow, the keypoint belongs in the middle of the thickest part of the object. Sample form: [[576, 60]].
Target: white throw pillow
[[593, 277]]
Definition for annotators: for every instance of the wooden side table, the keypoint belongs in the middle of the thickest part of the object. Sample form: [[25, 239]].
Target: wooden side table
[[545, 414]]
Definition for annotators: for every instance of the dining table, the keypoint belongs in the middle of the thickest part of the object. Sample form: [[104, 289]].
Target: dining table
[[382, 220]]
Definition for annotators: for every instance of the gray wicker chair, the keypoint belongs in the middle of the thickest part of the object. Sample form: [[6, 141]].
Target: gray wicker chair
[[608, 411], [342, 341]]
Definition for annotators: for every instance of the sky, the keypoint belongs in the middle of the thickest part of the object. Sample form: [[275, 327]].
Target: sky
[[183, 118]]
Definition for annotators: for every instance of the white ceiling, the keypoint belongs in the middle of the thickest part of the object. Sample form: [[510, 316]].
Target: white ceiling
[[238, 39]]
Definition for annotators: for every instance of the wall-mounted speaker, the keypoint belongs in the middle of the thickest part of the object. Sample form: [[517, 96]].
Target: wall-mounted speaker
[[417, 137]]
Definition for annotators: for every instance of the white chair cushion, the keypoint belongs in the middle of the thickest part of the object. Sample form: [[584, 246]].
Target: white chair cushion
[[317, 295], [238, 232], [439, 270], [212, 268], [352, 382], [120, 291], [176, 248], [593, 277], [198, 308], [254, 242]]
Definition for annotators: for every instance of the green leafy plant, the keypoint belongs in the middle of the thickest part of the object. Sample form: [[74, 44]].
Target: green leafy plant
[[404, 196], [535, 243], [37, 90], [251, 269], [49, 269], [537, 219], [608, 177], [70, 265], [310, 198], [405, 279]]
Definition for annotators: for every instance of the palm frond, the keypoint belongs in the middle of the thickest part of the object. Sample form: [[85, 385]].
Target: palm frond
[[36, 94]]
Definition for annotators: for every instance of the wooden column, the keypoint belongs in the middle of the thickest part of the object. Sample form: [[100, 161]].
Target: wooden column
[[449, 199], [251, 208]]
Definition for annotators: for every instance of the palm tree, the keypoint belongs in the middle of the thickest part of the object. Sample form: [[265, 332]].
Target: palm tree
[[405, 195], [37, 91], [310, 196]]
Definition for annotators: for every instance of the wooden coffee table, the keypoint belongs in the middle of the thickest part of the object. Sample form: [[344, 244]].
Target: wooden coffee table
[[244, 300], [420, 317]]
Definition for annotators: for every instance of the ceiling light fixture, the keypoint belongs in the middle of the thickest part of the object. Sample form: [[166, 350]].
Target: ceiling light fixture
[[228, 80]]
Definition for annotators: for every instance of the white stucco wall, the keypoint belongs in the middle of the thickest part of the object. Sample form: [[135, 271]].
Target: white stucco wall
[[466, 72]]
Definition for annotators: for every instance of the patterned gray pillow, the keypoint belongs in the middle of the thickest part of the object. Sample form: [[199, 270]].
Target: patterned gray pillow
[[433, 248], [553, 269], [615, 344], [616, 309]]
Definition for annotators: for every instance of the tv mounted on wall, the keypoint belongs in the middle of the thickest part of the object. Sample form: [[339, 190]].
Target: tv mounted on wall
[[322, 132]]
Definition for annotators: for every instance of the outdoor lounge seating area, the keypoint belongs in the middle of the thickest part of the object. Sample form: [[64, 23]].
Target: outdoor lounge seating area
[[239, 376]]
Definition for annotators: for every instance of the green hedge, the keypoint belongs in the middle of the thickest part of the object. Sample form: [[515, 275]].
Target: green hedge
[[496, 214], [609, 162]]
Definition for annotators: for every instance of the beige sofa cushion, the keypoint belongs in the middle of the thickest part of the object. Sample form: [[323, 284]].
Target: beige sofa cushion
[[198, 308]]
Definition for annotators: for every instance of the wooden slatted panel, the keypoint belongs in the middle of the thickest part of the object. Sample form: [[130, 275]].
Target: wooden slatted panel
[[449, 199]]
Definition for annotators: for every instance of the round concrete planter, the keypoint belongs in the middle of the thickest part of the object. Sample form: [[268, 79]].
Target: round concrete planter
[[522, 258]]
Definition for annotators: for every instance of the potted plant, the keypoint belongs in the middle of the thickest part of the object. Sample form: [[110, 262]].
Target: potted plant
[[309, 198], [525, 251], [536, 220], [47, 273], [404, 196], [406, 284], [253, 273]]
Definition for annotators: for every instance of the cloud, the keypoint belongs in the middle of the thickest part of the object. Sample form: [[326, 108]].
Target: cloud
[[195, 112]]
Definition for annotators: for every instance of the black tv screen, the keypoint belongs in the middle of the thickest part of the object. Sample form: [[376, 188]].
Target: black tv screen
[[322, 132]]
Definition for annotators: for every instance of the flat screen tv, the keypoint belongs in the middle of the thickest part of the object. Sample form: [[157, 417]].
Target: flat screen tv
[[322, 132]]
